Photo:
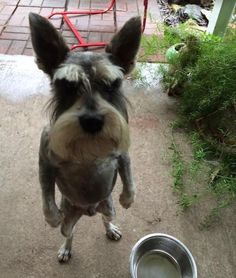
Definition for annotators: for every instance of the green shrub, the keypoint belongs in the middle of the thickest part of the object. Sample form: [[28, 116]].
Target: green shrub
[[211, 82], [204, 76]]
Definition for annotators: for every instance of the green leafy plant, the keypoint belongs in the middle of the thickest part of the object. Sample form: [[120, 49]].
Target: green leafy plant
[[211, 85], [204, 72], [220, 179], [177, 168], [203, 77]]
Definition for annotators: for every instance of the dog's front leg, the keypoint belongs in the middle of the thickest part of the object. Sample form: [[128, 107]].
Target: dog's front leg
[[47, 182], [128, 192]]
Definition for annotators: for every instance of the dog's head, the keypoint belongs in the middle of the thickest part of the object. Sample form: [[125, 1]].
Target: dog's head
[[89, 118]]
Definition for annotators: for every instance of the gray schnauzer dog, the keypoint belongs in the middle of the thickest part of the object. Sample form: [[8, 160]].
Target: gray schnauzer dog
[[86, 143]]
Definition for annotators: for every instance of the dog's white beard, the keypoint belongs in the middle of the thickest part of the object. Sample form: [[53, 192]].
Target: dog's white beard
[[68, 140]]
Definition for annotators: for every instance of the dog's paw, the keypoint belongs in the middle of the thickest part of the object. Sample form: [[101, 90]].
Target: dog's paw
[[126, 199], [53, 217], [64, 254], [113, 232]]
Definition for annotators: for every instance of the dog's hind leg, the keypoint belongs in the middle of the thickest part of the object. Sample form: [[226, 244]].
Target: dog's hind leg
[[112, 231], [71, 216], [108, 213], [64, 253]]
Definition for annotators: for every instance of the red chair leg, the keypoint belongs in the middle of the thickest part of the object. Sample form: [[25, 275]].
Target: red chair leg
[[86, 12], [81, 42]]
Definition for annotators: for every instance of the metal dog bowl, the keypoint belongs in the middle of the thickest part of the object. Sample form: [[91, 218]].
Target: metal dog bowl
[[161, 256]]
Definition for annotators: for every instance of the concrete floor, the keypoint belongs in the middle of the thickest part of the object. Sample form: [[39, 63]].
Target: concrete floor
[[28, 246]]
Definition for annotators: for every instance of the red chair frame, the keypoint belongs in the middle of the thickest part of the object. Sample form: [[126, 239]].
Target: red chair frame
[[81, 42]]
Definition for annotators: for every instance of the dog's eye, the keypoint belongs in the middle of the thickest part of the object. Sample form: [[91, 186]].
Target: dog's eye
[[111, 87], [68, 87], [115, 84]]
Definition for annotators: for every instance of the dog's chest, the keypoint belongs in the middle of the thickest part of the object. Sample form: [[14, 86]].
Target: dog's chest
[[87, 184]]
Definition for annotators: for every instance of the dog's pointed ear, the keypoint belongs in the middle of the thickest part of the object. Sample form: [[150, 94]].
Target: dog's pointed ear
[[48, 44], [124, 45]]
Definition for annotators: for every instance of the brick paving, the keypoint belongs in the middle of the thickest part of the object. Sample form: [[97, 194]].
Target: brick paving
[[14, 26]]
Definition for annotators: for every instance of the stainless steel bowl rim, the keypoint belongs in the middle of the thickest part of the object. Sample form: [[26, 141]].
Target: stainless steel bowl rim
[[143, 239]]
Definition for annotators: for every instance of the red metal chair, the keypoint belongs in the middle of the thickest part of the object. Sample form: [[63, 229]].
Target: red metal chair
[[81, 42]]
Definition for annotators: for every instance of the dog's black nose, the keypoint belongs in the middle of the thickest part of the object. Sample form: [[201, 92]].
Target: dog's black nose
[[91, 123]]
